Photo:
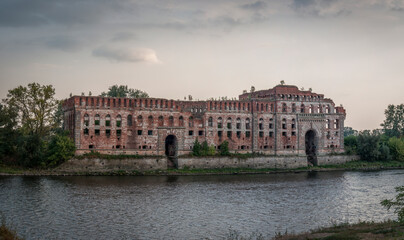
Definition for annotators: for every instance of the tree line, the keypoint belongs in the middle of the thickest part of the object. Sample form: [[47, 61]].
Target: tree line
[[384, 144], [31, 125]]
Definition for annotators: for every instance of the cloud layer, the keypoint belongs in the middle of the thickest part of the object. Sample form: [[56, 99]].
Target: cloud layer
[[126, 54]]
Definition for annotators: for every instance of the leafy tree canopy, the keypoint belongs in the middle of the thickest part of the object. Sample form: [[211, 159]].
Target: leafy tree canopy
[[124, 91], [394, 123], [35, 106]]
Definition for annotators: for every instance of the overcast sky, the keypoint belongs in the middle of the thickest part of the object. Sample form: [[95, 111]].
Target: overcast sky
[[350, 51]]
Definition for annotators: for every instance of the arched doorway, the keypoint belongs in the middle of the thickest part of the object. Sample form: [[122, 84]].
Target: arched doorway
[[171, 147], [311, 147]]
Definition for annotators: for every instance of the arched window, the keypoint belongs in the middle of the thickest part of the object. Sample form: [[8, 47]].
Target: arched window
[[311, 109], [181, 121], [171, 121], [161, 121], [261, 124], [302, 108], [247, 123], [284, 123], [210, 122], [229, 123], [271, 123], [150, 120], [293, 107], [238, 123], [108, 120], [97, 120], [328, 109], [219, 122], [129, 120], [140, 120], [191, 122], [118, 121], [293, 123], [86, 120], [284, 108]]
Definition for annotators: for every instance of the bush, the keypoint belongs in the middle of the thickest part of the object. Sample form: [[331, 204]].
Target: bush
[[30, 150], [196, 149], [60, 149], [224, 148], [351, 144], [396, 146], [397, 204], [368, 146]]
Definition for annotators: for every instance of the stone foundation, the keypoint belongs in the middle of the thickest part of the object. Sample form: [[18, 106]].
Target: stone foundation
[[147, 164]]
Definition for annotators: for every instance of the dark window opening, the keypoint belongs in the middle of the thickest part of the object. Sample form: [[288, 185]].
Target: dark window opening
[[271, 126], [293, 133], [229, 133], [118, 132], [271, 134], [97, 132], [108, 132], [200, 133], [150, 132], [261, 134], [190, 133], [86, 131], [283, 125], [139, 132], [90, 146], [220, 133], [118, 146], [238, 134], [260, 126], [247, 134], [284, 134]]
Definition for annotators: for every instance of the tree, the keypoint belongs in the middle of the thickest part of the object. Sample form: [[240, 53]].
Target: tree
[[35, 106], [397, 204], [60, 149], [351, 144], [393, 125], [350, 131], [224, 148], [8, 132], [368, 145], [282, 82], [124, 91], [196, 149], [396, 146]]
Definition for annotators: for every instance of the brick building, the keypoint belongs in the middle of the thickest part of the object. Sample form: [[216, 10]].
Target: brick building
[[279, 121]]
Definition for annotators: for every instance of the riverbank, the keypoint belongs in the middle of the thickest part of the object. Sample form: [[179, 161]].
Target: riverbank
[[349, 166], [362, 230]]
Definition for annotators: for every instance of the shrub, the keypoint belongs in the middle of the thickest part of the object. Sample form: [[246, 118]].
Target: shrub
[[396, 146], [397, 204], [224, 148], [196, 149], [368, 146], [60, 149]]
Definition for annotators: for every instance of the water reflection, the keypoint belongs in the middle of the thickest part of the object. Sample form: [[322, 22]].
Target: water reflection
[[191, 207]]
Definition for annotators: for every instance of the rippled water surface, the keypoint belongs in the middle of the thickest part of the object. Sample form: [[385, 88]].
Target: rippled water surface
[[191, 207]]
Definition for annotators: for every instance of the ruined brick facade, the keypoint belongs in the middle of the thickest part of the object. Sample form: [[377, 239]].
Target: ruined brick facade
[[279, 121]]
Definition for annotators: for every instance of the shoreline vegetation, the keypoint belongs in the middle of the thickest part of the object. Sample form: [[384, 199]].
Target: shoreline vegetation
[[361, 230], [7, 170]]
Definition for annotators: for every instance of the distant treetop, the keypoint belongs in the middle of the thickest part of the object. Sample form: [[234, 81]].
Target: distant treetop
[[124, 91]]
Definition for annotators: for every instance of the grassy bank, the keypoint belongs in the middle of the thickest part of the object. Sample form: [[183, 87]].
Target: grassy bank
[[362, 230], [7, 234], [354, 165]]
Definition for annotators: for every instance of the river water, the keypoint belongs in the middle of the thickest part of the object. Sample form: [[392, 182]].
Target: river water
[[191, 207]]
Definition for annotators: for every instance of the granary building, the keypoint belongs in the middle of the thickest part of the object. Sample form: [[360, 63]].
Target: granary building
[[279, 121]]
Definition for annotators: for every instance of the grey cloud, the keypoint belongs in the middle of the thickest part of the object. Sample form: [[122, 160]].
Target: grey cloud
[[258, 5], [63, 43], [319, 8], [126, 54], [123, 36], [21, 13]]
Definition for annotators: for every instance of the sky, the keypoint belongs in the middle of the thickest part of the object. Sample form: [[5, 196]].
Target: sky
[[350, 51]]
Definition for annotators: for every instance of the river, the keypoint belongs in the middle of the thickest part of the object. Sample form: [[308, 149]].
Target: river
[[192, 207]]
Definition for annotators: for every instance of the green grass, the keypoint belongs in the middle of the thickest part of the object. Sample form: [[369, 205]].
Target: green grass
[[11, 169]]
